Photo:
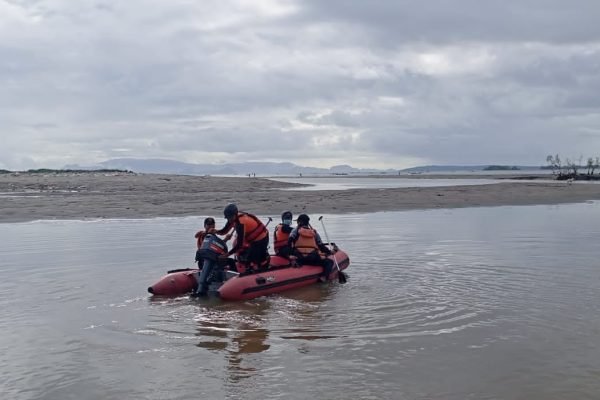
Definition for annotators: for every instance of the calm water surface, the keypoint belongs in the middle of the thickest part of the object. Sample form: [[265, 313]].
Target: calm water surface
[[345, 183], [480, 303]]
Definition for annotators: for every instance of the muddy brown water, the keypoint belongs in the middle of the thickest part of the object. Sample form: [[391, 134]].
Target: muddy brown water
[[476, 303]]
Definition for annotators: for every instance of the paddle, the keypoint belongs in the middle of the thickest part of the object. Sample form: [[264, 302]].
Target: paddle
[[342, 278], [267, 224]]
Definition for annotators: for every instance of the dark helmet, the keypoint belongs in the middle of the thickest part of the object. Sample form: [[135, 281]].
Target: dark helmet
[[230, 211], [286, 215], [303, 219]]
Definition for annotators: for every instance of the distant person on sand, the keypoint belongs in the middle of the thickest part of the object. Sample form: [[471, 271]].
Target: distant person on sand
[[281, 235], [308, 247], [252, 237]]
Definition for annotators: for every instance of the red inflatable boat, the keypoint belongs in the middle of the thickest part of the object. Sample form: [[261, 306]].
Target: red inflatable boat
[[282, 275]]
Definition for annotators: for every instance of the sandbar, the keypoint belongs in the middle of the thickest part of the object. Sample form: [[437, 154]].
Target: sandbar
[[93, 195]]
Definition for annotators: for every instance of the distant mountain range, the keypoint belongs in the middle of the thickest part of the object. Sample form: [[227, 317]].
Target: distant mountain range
[[163, 166]]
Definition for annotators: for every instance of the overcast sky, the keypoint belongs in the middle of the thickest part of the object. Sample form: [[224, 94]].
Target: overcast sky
[[373, 83]]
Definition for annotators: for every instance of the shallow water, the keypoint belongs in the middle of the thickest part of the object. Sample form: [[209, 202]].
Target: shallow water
[[345, 183], [479, 303]]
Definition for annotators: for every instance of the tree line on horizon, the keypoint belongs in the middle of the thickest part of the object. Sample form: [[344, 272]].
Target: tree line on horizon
[[570, 169]]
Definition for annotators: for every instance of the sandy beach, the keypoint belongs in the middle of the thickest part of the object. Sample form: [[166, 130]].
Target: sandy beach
[[27, 196]]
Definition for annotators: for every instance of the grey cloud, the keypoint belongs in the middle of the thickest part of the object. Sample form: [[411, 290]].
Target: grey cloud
[[336, 118], [393, 80], [406, 21]]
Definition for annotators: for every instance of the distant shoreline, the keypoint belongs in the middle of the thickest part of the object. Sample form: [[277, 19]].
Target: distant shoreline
[[93, 195], [503, 175]]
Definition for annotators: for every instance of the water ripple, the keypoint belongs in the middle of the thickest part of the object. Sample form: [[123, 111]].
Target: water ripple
[[434, 300]]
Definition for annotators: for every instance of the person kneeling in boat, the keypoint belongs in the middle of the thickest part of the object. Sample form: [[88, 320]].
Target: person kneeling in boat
[[281, 235], [252, 238], [309, 248]]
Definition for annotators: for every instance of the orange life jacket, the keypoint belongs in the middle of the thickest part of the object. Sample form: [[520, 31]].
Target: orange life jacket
[[307, 242], [280, 237], [254, 229]]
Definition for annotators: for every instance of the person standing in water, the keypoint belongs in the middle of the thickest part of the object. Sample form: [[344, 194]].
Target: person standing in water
[[209, 227], [209, 248]]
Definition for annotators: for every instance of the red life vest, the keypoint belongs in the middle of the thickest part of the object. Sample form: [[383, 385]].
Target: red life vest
[[254, 229], [280, 237], [306, 242]]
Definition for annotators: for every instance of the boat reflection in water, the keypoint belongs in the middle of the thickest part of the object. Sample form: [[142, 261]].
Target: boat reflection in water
[[236, 342], [239, 330]]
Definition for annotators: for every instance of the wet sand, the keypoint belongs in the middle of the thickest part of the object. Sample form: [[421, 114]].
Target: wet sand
[[26, 197]]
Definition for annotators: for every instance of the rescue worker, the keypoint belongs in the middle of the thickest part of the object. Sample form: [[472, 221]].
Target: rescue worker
[[210, 247], [252, 238], [281, 235], [209, 227], [308, 247]]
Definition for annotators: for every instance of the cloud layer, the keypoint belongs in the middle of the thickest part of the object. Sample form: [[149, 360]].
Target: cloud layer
[[371, 84]]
